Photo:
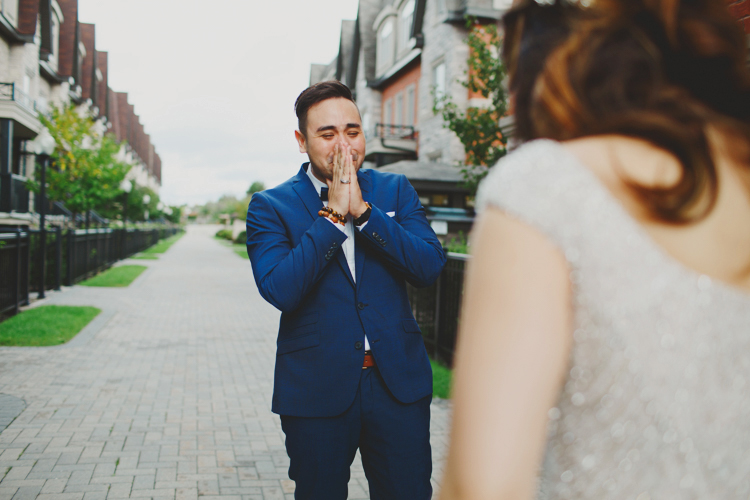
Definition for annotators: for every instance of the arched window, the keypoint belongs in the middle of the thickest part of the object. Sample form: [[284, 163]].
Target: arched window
[[385, 46], [405, 21]]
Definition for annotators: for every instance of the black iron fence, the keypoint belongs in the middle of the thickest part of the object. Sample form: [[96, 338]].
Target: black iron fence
[[69, 256], [437, 309], [14, 270]]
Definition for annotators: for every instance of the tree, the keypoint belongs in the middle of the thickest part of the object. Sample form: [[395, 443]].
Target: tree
[[255, 187], [85, 173], [478, 128], [143, 199]]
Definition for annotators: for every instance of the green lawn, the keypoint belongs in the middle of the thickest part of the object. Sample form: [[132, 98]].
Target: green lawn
[[146, 256], [116, 276], [164, 244], [45, 325], [441, 380], [239, 249]]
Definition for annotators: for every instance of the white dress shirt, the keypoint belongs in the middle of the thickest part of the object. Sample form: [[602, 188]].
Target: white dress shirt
[[348, 230]]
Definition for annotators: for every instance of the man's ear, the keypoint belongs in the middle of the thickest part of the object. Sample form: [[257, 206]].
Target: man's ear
[[301, 141]]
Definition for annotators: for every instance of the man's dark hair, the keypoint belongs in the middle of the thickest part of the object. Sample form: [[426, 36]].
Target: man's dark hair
[[318, 93]]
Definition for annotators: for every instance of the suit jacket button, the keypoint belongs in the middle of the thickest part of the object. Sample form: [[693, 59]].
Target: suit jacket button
[[358, 345], [360, 306]]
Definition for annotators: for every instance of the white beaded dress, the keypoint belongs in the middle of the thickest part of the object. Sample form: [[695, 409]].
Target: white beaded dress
[[656, 404]]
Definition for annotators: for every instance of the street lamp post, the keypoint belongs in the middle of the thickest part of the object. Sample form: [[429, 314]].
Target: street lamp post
[[146, 201], [43, 146], [126, 187]]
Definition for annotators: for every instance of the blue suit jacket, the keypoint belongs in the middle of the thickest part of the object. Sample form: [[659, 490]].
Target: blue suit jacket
[[299, 267]]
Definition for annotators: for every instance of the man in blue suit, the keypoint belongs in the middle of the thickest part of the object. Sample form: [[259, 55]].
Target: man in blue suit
[[333, 248]]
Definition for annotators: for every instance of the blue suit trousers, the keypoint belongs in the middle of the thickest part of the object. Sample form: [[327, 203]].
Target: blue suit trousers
[[393, 439]]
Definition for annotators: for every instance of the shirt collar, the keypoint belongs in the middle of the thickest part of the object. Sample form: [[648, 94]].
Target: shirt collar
[[317, 184]]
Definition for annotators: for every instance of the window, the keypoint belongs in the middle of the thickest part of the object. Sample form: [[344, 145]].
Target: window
[[55, 41], [440, 200], [502, 4], [388, 112], [406, 19], [399, 118], [10, 11], [438, 80], [410, 105], [385, 47]]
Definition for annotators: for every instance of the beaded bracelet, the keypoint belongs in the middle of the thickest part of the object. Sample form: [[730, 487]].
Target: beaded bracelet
[[330, 213]]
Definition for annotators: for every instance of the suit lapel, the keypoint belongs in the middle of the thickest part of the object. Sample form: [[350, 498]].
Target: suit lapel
[[307, 193], [359, 247]]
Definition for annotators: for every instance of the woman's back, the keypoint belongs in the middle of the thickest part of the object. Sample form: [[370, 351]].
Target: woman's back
[[655, 398], [717, 245]]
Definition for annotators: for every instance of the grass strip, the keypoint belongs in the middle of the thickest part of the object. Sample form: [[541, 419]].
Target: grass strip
[[239, 249], [146, 256], [164, 244], [116, 276], [441, 380], [45, 325]]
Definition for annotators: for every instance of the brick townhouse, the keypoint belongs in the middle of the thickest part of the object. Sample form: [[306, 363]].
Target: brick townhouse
[[396, 56], [49, 58]]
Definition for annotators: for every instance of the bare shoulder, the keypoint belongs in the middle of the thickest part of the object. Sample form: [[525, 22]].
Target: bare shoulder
[[617, 160]]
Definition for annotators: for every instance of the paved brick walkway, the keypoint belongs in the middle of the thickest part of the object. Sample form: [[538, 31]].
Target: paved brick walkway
[[166, 395]]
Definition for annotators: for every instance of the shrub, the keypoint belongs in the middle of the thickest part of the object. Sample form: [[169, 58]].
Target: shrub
[[224, 233], [459, 244], [241, 238]]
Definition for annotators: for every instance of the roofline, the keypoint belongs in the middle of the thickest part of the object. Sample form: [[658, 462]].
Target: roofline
[[11, 34]]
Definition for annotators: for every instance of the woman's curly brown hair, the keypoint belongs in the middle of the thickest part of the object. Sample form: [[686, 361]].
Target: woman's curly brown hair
[[660, 70]]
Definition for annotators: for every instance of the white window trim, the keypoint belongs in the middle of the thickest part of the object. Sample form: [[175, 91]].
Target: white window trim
[[403, 38]]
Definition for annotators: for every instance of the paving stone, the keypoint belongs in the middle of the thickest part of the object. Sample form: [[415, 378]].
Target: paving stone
[[167, 397]]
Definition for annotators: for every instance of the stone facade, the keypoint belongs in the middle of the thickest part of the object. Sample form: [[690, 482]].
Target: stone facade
[[444, 43]]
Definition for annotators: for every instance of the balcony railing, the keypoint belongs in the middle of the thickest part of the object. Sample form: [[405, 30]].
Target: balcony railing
[[9, 92], [390, 131]]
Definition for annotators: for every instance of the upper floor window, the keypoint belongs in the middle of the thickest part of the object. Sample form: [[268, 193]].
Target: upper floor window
[[388, 112], [385, 46], [438, 80], [399, 109], [55, 41], [405, 21], [410, 105], [10, 11]]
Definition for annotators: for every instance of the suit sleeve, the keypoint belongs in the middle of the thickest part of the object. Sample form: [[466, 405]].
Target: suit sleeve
[[409, 244], [285, 274]]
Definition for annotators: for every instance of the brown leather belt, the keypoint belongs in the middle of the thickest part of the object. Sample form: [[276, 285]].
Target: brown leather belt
[[369, 360]]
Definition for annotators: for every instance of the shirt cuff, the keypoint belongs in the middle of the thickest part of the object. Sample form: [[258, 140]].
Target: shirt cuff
[[363, 225], [339, 226]]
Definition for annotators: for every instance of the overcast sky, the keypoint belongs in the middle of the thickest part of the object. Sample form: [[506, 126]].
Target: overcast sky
[[214, 82]]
